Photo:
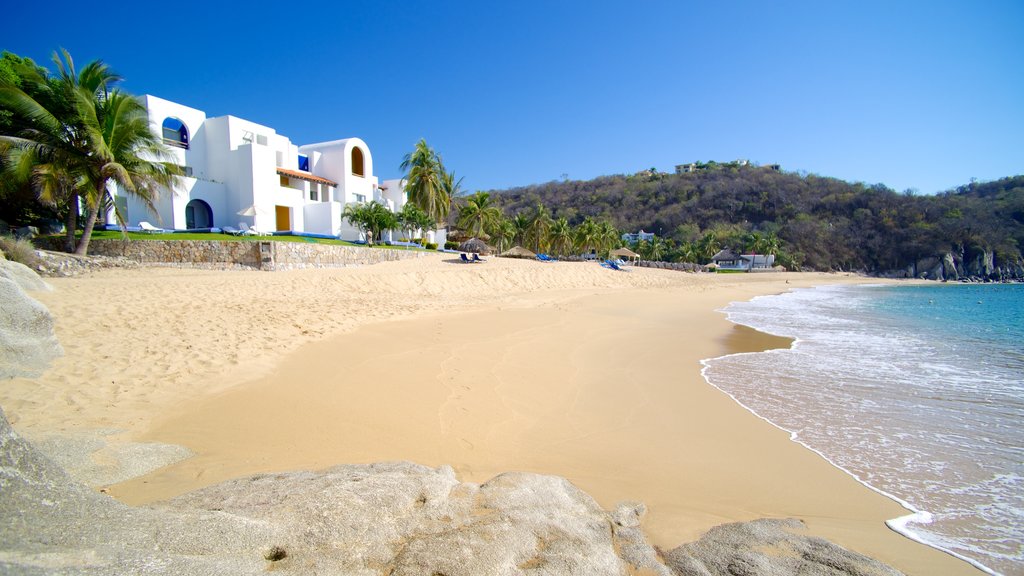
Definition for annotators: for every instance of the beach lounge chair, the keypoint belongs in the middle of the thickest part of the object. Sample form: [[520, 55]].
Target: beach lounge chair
[[546, 258], [248, 231], [231, 231], [149, 228], [465, 258], [477, 258]]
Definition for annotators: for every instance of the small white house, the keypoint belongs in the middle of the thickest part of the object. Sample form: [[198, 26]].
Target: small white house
[[634, 237], [238, 171]]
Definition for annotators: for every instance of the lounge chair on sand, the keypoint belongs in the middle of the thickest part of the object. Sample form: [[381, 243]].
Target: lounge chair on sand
[[546, 258], [149, 228], [477, 258], [465, 258], [613, 266]]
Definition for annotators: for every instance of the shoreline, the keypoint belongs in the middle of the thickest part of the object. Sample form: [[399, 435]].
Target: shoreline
[[901, 524], [641, 428]]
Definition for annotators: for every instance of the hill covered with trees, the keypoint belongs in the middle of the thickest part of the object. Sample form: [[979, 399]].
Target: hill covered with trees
[[818, 222]]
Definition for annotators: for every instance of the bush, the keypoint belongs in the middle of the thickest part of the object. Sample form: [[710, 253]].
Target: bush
[[430, 245], [21, 251], [449, 245]]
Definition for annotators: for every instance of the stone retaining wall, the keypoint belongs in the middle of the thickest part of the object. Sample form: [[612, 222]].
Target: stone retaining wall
[[254, 254]]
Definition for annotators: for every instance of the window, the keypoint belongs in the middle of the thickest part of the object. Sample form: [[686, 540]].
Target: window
[[175, 133], [261, 139], [314, 191], [360, 197], [303, 162], [187, 170], [284, 181], [357, 162]]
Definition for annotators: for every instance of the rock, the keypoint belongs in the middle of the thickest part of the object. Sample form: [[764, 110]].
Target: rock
[[23, 276], [949, 271], [769, 548], [26, 232], [393, 518], [27, 341]]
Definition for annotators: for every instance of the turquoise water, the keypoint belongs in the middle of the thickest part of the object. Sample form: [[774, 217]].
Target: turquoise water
[[917, 391]]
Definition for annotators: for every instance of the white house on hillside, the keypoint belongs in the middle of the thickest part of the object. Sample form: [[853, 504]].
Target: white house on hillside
[[239, 171]]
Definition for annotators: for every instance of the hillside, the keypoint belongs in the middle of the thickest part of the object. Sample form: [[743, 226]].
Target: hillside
[[823, 223]]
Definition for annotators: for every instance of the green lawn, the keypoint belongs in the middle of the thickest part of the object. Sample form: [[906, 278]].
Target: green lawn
[[115, 235]]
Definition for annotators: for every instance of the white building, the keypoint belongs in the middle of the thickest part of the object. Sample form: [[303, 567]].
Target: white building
[[242, 172], [633, 237]]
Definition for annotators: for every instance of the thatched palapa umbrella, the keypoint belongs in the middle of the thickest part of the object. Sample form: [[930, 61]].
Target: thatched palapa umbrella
[[518, 252], [475, 245]]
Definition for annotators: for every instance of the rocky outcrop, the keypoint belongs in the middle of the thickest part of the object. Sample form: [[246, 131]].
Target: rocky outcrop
[[768, 548], [965, 266], [379, 519], [27, 341]]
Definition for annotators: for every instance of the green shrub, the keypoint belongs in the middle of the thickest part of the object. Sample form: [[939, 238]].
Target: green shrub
[[430, 245], [449, 245], [21, 251]]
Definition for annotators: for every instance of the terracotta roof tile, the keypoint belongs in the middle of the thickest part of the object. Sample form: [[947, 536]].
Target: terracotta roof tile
[[305, 176]]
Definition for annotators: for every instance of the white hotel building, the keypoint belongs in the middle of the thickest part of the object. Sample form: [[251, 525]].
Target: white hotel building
[[242, 172]]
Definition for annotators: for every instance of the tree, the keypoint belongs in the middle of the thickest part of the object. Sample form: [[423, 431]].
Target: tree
[[91, 137], [412, 218], [586, 236], [479, 215], [521, 223], [606, 236], [426, 181], [372, 217], [451, 189], [503, 234], [540, 224], [560, 237]]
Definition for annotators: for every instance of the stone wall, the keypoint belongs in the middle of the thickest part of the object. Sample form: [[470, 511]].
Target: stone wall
[[250, 254]]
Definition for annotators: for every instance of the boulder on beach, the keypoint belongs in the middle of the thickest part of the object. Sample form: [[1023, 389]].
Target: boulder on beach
[[27, 341], [391, 518]]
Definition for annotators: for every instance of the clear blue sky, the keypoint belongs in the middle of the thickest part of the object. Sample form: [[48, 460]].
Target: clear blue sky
[[911, 94]]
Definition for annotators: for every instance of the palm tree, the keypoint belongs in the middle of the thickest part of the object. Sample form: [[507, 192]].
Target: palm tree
[[607, 236], [451, 187], [540, 224], [586, 236], [503, 233], [707, 246], [372, 217], [425, 181], [521, 223], [560, 236], [97, 137], [411, 219], [478, 214]]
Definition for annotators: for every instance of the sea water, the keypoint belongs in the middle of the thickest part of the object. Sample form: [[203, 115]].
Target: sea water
[[917, 391]]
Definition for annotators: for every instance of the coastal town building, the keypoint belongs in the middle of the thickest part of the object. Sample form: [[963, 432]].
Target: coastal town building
[[727, 259], [634, 237], [239, 172]]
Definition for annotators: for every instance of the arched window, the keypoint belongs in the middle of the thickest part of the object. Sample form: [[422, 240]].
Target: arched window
[[175, 133], [357, 162], [198, 214]]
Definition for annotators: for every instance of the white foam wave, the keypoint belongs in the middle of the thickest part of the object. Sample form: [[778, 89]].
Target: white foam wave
[[807, 317]]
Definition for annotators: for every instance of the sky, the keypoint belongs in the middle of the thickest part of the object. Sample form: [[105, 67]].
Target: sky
[[922, 95]]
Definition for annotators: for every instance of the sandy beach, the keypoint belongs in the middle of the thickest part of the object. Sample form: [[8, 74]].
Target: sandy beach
[[566, 369]]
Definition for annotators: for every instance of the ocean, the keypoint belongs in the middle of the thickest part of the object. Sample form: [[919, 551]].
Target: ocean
[[917, 391]]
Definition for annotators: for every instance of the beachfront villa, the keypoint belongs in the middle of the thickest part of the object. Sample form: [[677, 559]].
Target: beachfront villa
[[728, 260], [239, 172], [634, 237]]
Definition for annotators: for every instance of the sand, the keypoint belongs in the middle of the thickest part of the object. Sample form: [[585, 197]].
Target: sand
[[565, 369]]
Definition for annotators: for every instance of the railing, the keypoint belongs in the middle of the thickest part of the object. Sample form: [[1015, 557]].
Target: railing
[[176, 143]]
